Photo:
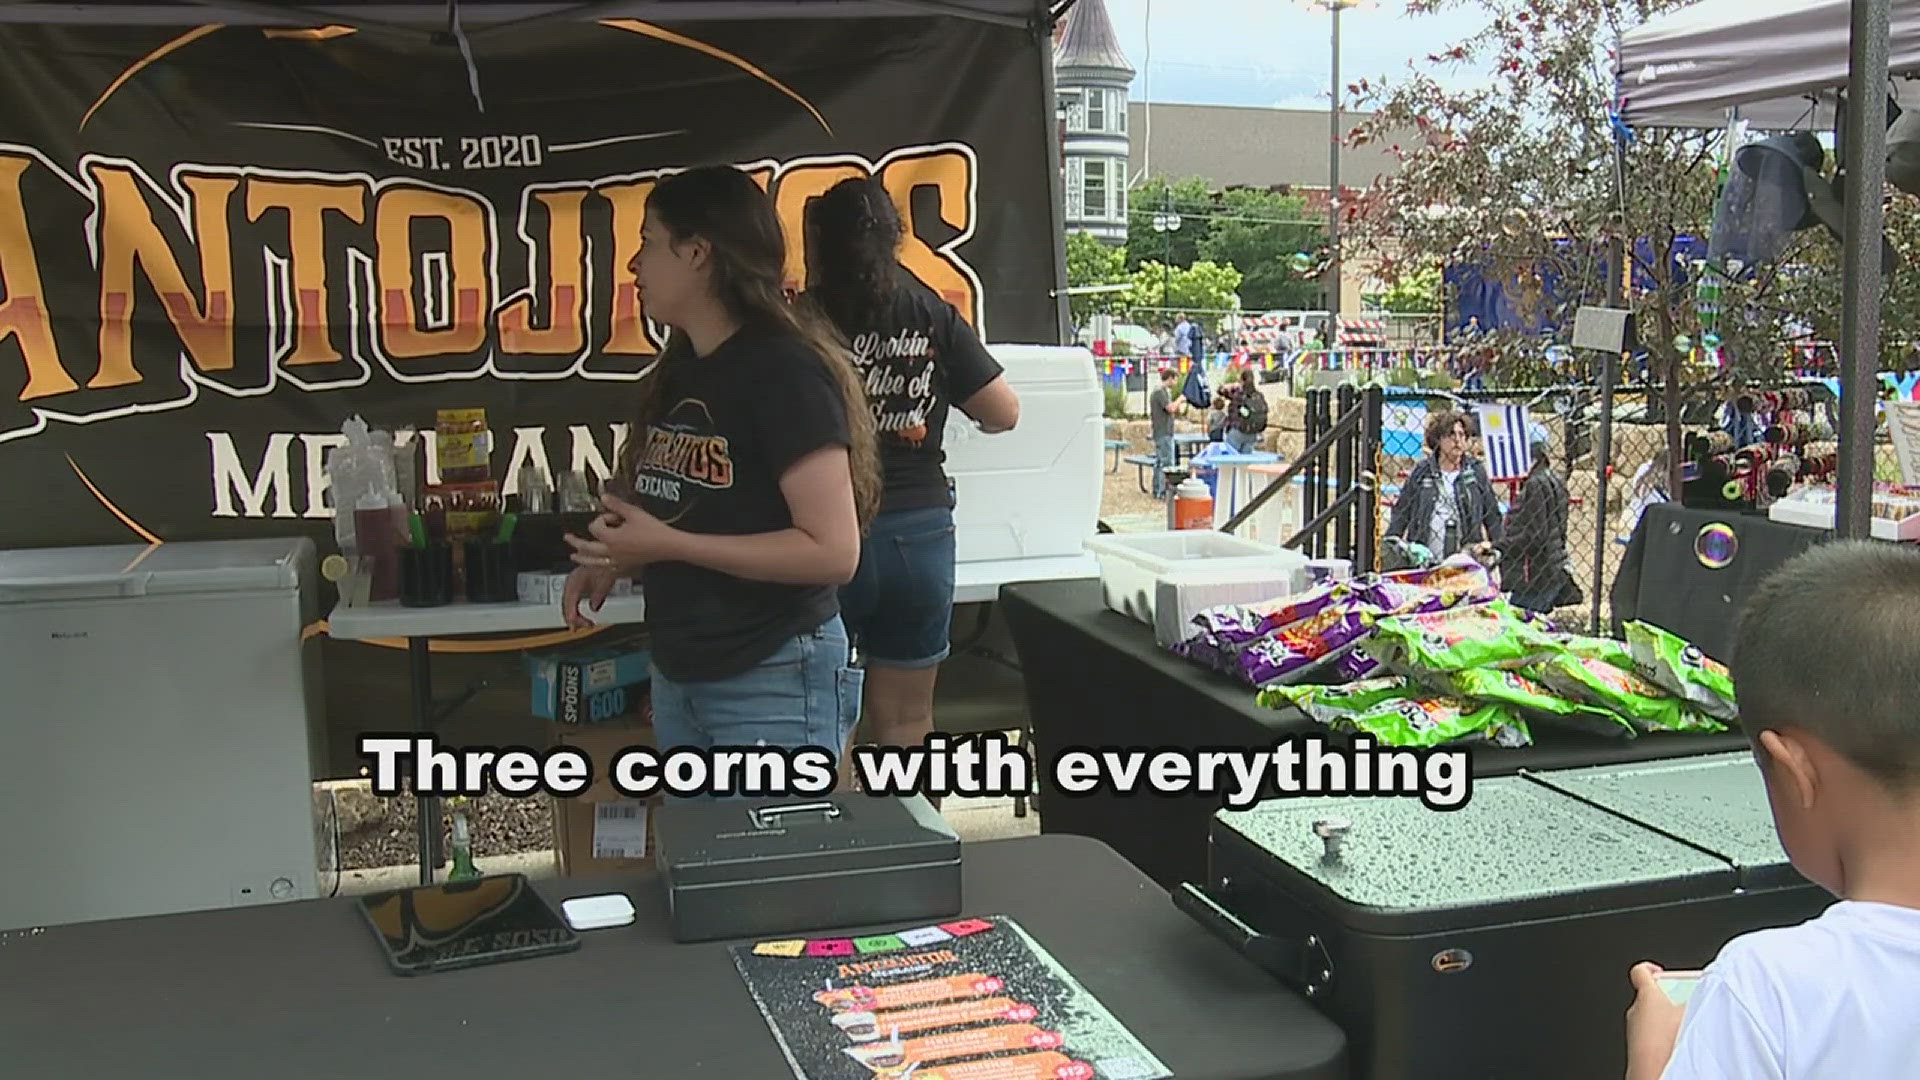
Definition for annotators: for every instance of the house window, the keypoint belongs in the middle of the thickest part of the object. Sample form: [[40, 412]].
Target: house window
[[1097, 111], [1120, 112], [1097, 190], [1120, 191]]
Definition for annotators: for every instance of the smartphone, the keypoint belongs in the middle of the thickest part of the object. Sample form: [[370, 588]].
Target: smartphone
[[1679, 984]]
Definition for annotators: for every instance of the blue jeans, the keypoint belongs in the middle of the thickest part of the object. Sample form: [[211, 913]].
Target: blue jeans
[[804, 695], [899, 605], [1242, 442], [1162, 459]]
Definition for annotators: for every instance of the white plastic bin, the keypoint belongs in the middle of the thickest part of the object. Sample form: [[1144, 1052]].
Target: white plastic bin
[[1131, 564]]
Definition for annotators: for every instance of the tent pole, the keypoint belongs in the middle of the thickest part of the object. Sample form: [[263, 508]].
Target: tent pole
[[1861, 283], [1042, 34]]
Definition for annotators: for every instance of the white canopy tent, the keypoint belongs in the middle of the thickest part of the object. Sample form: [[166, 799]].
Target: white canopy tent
[[1782, 63]]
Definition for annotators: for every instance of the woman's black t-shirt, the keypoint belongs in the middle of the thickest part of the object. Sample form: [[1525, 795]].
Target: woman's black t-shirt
[[917, 357], [735, 421]]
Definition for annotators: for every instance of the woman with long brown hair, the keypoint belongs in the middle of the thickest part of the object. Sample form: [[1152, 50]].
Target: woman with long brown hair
[[918, 360], [750, 475]]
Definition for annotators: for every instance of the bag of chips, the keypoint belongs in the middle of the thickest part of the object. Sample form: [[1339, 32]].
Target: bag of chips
[[1606, 650], [1492, 634], [1289, 653], [1394, 598], [1621, 692], [1395, 713], [1236, 626], [1531, 700], [1682, 670], [1459, 573], [1356, 666]]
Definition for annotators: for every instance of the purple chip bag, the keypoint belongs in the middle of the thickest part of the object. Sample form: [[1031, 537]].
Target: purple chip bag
[[1207, 652], [1304, 644], [1236, 626], [1357, 666]]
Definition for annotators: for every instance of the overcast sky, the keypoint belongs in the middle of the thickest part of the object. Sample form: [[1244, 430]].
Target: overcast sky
[[1274, 53]]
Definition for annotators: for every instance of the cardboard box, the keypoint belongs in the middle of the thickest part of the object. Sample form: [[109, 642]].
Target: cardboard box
[[600, 830], [592, 686]]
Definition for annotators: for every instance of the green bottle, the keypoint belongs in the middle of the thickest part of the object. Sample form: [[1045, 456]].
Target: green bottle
[[463, 868]]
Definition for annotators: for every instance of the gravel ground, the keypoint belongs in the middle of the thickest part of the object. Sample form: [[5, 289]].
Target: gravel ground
[[376, 832]]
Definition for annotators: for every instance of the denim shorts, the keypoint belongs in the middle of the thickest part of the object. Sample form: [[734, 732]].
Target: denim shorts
[[804, 695], [899, 605]]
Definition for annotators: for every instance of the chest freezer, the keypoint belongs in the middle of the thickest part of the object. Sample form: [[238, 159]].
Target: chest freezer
[[1033, 492], [161, 718], [1493, 942]]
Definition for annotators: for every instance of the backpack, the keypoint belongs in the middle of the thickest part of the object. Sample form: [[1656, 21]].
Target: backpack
[[1251, 412]]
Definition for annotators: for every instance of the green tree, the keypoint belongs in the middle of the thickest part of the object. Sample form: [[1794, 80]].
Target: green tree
[[1203, 287], [1414, 292], [1519, 177], [1191, 199], [1259, 233], [1090, 262]]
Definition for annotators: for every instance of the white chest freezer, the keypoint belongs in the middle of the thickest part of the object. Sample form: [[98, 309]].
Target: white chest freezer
[[161, 724], [1028, 499]]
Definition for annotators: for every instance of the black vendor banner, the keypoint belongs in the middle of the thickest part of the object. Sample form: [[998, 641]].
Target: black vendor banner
[[217, 244], [971, 999]]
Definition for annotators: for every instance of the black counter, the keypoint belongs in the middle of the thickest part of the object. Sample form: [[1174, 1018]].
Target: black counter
[[1096, 678], [301, 990]]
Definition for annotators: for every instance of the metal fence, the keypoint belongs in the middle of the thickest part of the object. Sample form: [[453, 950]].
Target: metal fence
[[1351, 451]]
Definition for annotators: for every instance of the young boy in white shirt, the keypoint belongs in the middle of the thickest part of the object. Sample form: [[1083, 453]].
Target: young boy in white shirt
[[1826, 665]]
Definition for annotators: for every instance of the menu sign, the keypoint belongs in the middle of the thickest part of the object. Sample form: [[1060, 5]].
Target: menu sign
[[974, 999]]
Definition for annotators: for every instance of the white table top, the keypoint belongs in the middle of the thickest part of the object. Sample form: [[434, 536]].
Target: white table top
[[390, 620], [978, 582], [973, 583]]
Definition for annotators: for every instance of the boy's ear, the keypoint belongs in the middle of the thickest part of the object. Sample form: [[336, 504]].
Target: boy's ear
[[1789, 758]]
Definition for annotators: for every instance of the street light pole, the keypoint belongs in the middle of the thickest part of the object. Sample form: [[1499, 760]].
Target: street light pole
[[1333, 191]]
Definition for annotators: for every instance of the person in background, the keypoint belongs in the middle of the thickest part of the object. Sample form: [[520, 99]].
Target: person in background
[[1245, 412], [1649, 486], [751, 467], [1533, 553], [1164, 405], [1182, 335], [1823, 661], [918, 360], [1446, 503]]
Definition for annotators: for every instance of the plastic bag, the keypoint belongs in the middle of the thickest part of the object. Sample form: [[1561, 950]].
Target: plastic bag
[[1492, 634], [1621, 692], [1394, 712], [1671, 663], [1532, 700], [1292, 650]]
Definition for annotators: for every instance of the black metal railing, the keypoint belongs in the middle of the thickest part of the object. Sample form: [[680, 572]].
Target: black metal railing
[[1339, 467]]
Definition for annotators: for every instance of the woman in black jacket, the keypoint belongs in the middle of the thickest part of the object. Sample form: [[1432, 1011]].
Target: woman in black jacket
[[1533, 556], [1447, 503]]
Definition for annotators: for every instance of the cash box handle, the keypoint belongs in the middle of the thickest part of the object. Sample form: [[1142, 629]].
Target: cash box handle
[[766, 817], [1302, 965]]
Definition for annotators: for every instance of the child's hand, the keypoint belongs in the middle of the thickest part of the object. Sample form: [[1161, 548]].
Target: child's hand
[[1653, 1025]]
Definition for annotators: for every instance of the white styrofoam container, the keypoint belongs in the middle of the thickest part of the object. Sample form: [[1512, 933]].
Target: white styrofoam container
[[1033, 492], [1815, 515], [1131, 564], [1182, 593]]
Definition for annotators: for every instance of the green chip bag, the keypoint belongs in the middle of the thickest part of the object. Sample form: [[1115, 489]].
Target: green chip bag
[[1320, 702], [1531, 699], [1605, 650], [1682, 670], [1395, 712], [1621, 692], [1494, 634]]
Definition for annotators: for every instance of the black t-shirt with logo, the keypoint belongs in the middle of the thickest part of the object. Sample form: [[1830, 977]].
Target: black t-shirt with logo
[[916, 358], [735, 421]]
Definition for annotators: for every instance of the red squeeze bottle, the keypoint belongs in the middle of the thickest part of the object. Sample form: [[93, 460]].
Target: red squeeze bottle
[[378, 539]]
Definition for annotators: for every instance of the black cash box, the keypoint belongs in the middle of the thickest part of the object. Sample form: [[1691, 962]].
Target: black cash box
[[1493, 942], [753, 867]]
